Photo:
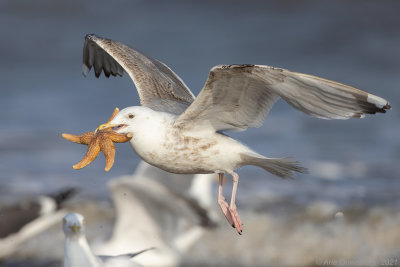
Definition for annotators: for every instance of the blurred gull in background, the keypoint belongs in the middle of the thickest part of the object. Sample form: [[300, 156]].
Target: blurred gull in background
[[154, 209], [28, 218], [77, 252]]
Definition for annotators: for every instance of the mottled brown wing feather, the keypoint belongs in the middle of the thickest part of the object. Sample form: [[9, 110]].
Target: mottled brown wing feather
[[236, 97], [158, 86]]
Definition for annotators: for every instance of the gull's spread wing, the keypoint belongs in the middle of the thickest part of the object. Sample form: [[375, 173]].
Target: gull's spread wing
[[236, 97], [158, 86]]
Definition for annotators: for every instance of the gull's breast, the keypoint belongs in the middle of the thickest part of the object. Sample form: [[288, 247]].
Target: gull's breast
[[186, 154]]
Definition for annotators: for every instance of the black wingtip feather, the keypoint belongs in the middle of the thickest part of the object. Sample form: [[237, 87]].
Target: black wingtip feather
[[95, 57], [370, 108], [64, 195]]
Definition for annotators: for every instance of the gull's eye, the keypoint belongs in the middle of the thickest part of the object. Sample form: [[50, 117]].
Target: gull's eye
[[131, 116]]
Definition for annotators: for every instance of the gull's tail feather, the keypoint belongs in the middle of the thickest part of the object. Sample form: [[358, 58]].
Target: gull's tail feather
[[281, 167]]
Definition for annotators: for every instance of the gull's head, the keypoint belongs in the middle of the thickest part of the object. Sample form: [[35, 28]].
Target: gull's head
[[74, 224], [130, 119]]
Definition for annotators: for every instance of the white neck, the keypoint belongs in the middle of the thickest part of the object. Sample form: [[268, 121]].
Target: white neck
[[77, 253], [150, 132]]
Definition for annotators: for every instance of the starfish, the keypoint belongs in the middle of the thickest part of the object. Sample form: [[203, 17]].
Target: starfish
[[101, 139]]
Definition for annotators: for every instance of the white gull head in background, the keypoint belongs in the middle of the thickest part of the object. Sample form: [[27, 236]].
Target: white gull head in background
[[77, 251], [179, 133]]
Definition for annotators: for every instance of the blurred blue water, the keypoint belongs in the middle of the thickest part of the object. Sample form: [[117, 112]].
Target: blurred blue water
[[44, 94]]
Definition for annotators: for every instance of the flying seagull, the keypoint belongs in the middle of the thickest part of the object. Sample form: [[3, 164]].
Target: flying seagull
[[179, 133], [77, 252], [153, 210]]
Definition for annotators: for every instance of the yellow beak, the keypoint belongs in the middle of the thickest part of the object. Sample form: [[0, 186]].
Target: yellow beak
[[105, 126], [75, 228]]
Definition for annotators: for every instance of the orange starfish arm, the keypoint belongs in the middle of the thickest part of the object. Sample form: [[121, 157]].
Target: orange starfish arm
[[116, 110], [119, 138], [91, 154], [108, 149], [80, 139], [102, 139]]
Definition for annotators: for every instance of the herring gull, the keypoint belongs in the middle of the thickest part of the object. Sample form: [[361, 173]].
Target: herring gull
[[77, 252], [179, 133]]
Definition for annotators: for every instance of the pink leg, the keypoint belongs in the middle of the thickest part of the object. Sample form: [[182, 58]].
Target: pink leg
[[230, 211], [232, 208], [222, 202]]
